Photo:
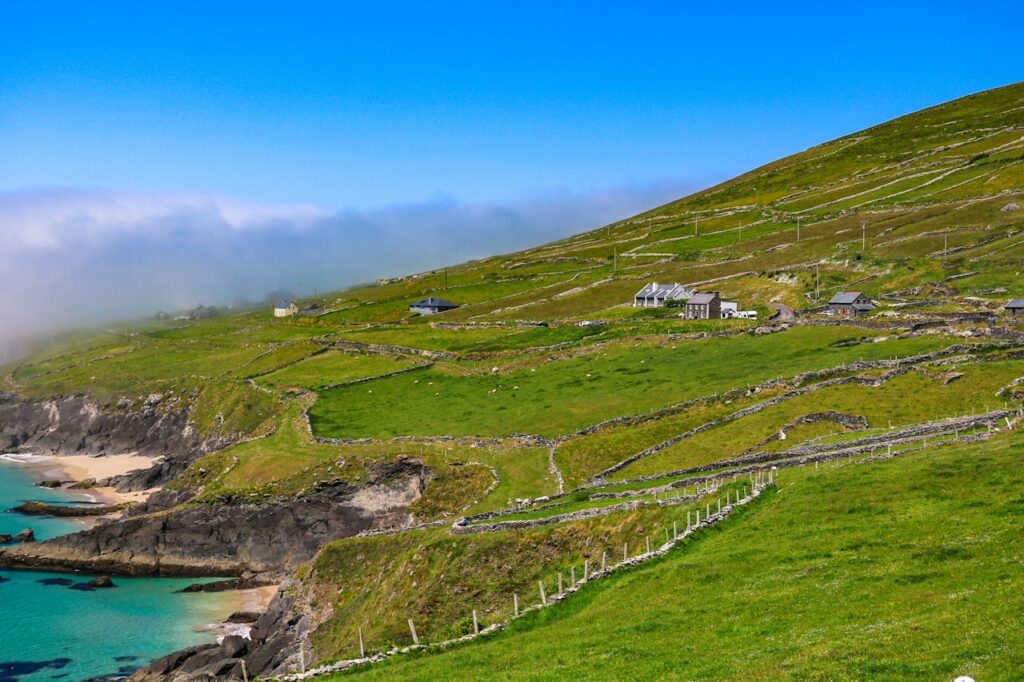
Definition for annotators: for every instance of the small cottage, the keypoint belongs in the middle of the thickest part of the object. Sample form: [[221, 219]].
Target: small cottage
[[285, 309], [850, 304], [432, 306], [704, 307], [1015, 308], [730, 309], [656, 295]]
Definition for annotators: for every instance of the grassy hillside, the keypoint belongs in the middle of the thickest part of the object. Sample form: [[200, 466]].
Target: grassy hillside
[[906, 569], [546, 393]]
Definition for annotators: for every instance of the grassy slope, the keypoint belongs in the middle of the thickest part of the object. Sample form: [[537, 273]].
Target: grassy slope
[[574, 393], [907, 569], [788, 590]]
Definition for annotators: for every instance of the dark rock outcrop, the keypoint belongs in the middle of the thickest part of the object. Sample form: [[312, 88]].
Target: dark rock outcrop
[[46, 509], [26, 535], [101, 581], [271, 648], [229, 539], [74, 425]]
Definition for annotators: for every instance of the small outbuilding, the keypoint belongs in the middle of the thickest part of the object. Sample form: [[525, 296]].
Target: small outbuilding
[[432, 306], [850, 304], [703, 307], [285, 309], [656, 295], [311, 310], [730, 309], [1015, 308]]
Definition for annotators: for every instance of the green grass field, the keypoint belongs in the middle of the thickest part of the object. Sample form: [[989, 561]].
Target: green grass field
[[906, 569], [583, 390]]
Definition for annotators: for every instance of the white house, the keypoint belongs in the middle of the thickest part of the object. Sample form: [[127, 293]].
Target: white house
[[730, 309], [285, 309], [656, 295]]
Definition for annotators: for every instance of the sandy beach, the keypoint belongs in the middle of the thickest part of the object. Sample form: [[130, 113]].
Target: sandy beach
[[84, 467], [251, 600]]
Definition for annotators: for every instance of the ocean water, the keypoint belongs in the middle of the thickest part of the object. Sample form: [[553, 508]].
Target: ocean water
[[51, 629]]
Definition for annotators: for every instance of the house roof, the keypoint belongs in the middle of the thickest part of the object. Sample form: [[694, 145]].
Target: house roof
[[863, 307], [283, 304], [845, 297], [433, 302], [702, 299], [1015, 304], [656, 290]]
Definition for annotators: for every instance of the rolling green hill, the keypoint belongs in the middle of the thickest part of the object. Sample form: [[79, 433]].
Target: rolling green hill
[[858, 566]]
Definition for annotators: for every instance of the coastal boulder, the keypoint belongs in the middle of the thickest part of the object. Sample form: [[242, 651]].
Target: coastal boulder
[[101, 581], [27, 535], [4, 538], [233, 646]]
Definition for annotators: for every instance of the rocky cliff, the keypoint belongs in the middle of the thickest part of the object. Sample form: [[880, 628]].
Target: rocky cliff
[[73, 425], [232, 539]]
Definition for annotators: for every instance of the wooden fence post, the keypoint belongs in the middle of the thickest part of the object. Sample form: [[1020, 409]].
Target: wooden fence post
[[515, 603], [586, 568], [476, 624], [572, 576], [675, 530], [648, 539], [362, 650], [604, 561], [625, 551], [412, 629], [543, 597], [559, 582]]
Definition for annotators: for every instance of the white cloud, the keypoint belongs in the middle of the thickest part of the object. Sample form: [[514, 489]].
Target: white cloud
[[76, 256]]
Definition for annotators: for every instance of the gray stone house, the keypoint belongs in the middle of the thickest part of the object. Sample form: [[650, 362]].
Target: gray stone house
[[704, 307], [850, 304], [1015, 308]]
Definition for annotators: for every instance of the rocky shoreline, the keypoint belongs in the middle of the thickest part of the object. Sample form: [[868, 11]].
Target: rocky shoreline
[[172, 534]]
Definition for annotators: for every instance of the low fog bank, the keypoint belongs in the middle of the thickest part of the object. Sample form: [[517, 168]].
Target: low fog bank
[[75, 257]]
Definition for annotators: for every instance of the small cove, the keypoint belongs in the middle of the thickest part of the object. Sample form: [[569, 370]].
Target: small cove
[[53, 628]]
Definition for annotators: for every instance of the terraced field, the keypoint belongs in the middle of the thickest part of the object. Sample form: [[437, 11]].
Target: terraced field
[[886, 552]]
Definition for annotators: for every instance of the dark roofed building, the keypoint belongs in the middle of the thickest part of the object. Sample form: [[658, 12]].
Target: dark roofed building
[[850, 303], [430, 306], [704, 307], [1015, 308]]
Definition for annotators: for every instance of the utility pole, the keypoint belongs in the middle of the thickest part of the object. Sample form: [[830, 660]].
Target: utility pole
[[615, 259], [945, 244], [863, 237], [695, 225], [446, 279]]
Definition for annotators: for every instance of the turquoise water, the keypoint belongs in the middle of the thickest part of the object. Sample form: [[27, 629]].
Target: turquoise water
[[55, 632]]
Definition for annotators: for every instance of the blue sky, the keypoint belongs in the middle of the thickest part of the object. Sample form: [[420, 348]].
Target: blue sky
[[162, 154], [366, 104]]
